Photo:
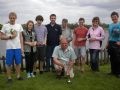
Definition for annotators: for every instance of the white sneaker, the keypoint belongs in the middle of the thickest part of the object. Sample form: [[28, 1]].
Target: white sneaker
[[28, 75], [69, 81], [32, 75]]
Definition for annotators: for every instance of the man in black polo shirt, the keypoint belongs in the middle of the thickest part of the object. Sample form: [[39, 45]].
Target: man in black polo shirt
[[53, 39]]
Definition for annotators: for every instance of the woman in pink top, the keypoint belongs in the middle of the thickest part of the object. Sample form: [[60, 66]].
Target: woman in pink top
[[95, 35]]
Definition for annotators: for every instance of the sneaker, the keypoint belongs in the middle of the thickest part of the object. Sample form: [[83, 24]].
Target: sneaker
[[9, 81], [28, 75], [32, 75], [20, 78], [69, 81]]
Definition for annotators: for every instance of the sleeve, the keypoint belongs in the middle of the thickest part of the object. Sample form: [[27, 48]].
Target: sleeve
[[102, 35], [73, 55], [21, 28], [46, 32], [55, 52], [60, 31], [70, 36], [88, 34]]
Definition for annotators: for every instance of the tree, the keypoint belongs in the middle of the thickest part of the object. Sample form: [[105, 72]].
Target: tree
[[1, 26]]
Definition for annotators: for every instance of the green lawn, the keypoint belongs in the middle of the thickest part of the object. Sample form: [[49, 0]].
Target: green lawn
[[82, 81]]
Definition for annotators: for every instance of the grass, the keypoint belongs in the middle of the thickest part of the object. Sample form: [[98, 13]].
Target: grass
[[82, 81]]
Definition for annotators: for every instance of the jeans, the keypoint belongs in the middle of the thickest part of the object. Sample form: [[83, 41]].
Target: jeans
[[114, 52], [94, 59], [49, 59]]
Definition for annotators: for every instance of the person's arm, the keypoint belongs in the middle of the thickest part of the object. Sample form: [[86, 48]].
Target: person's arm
[[55, 57], [57, 62], [74, 38], [71, 60], [102, 35], [4, 37], [21, 42]]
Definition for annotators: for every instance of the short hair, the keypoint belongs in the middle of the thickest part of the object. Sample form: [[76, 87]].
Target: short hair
[[96, 18], [39, 17], [12, 14], [114, 13], [52, 15], [65, 20], [81, 19]]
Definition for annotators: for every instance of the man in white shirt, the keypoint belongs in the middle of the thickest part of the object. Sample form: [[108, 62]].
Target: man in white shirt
[[12, 33], [63, 58]]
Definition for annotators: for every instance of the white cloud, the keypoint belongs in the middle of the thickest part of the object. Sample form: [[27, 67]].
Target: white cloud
[[71, 9]]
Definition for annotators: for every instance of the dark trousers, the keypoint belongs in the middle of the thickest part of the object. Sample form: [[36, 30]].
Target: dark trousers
[[30, 59], [49, 59], [114, 52], [94, 59]]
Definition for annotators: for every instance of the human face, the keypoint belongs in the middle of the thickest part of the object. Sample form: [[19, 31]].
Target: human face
[[64, 24], [39, 22], [30, 26], [114, 18], [64, 44], [95, 23], [12, 19], [53, 19], [81, 22]]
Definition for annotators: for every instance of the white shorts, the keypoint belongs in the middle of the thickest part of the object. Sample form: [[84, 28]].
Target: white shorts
[[80, 51], [66, 66]]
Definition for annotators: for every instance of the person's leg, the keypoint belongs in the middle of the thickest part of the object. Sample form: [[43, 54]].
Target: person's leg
[[18, 59], [48, 57], [31, 63], [83, 59], [52, 65], [9, 61], [91, 59], [27, 59], [77, 52], [117, 61], [42, 58], [96, 59]]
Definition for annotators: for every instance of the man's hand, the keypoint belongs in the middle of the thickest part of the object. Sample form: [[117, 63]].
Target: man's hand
[[80, 39], [13, 34], [118, 43]]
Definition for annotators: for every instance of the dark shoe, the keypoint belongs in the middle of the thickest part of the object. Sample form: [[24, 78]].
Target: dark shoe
[[118, 76], [41, 72], [110, 73], [34, 73], [20, 78], [9, 81], [58, 76]]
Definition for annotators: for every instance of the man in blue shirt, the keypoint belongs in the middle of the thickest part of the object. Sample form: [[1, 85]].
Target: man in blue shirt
[[114, 44]]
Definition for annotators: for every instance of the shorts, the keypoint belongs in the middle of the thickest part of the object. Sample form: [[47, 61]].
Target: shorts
[[80, 51], [13, 54], [66, 66], [41, 52]]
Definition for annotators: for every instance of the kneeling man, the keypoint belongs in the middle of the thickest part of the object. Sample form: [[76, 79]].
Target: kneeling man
[[64, 58]]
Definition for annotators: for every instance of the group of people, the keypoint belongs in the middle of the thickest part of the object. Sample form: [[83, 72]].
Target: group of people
[[50, 45]]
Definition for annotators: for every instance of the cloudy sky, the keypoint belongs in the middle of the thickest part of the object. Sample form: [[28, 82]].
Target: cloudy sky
[[70, 9]]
